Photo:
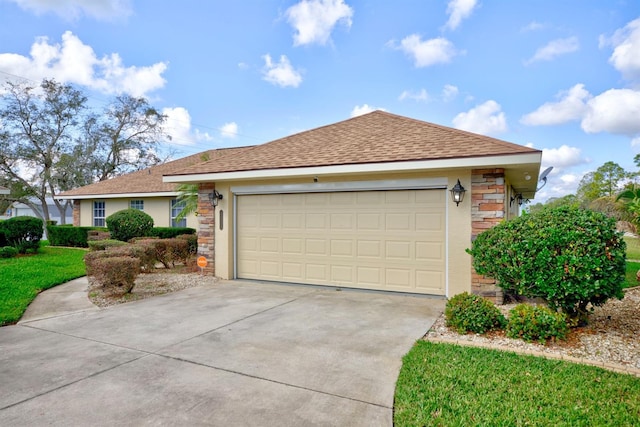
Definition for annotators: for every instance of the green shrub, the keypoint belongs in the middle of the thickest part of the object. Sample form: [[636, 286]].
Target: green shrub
[[3, 238], [8, 252], [117, 273], [129, 223], [101, 245], [470, 313], [536, 323], [568, 256], [68, 235], [23, 232], [170, 232], [168, 251]]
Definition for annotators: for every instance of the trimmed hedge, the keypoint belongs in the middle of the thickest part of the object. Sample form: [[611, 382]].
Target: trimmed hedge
[[8, 252], [70, 236], [23, 233], [101, 245], [170, 232], [466, 313], [116, 272], [536, 323]]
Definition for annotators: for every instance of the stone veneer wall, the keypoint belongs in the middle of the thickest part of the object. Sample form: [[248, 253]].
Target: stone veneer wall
[[488, 192], [76, 213], [206, 223]]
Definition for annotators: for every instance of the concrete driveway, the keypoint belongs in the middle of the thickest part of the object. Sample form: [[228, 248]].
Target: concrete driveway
[[233, 353]]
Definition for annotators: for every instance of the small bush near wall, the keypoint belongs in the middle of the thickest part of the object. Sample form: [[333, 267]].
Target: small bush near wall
[[129, 223], [536, 323], [168, 251], [117, 273], [23, 233], [470, 313], [570, 257], [169, 232], [3, 238]]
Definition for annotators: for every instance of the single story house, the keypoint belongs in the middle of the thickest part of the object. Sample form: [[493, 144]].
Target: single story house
[[371, 202], [4, 190], [144, 190], [22, 209]]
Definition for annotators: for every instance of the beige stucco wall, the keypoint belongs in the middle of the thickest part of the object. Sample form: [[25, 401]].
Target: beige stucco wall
[[159, 208], [458, 221]]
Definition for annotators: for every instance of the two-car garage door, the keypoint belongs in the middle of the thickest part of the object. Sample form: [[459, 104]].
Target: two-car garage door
[[385, 240]]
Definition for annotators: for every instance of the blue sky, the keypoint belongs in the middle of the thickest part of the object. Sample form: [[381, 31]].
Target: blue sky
[[560, 76]]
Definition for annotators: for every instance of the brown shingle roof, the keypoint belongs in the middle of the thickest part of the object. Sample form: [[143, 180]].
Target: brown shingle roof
[[376, 137], [149, 180]]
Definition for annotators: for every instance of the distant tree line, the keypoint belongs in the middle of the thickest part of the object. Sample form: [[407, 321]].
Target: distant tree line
[[52, 141], [610, 189]]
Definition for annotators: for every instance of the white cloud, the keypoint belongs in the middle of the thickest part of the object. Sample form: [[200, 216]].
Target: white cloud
[[635, 142], [178, 126], [449, 92], [281, 74], [359, 110], [314, 20], [459, 10], [562, 157], [422, 95], [75, 62], [626, 45], [571, 106], [554, 49], [229, 130], [532, 26], [485, 119], [615, 111], [427, 52], [74, 9]]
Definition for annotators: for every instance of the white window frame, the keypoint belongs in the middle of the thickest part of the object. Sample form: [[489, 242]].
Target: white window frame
[[174, 212], [139, 202], [99, 221]]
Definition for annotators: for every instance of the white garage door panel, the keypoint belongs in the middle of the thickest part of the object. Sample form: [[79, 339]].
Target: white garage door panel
[[387, 240]]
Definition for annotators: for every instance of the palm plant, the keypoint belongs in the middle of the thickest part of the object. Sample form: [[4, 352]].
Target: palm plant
[[188, 196], [630, 198]]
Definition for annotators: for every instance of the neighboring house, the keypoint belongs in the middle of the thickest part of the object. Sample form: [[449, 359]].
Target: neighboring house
[[143, 190], [4, 190], [362, 203], [21, 209]]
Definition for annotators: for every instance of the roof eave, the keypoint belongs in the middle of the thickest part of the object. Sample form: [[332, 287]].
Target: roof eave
[[520, 159], [116, 195]]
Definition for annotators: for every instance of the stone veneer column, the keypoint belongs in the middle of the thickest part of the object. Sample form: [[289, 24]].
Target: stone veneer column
[[76, 213], [206, 224], [488, 194]]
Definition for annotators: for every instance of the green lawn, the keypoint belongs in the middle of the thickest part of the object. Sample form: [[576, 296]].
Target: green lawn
[[449, 385], [22, 278], [633, 247], [632, 270]]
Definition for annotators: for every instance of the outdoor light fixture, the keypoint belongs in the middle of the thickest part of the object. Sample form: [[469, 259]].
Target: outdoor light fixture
[[519, 199], [457, 193], [214, 197]]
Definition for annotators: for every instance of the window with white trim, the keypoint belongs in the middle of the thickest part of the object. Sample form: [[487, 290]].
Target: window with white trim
[[176, 207], [137, 204], [99, 213]]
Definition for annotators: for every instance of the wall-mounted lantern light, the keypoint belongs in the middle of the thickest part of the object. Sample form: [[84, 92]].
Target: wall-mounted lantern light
[[457, 193], [518, 198], [214, 197]]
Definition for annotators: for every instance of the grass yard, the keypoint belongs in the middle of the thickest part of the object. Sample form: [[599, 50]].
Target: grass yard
[[633, 248], [22, 278], [449, 385]]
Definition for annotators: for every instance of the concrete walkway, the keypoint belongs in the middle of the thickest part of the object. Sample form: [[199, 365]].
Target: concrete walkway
[[61, 300], [232, 353]]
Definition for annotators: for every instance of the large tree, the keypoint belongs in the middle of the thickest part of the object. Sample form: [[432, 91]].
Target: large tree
[[606, 181], [51, 142]]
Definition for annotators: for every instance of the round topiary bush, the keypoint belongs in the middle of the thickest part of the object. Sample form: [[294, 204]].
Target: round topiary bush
[[536, 323], [470, 313], [129, 223], [568, 256]]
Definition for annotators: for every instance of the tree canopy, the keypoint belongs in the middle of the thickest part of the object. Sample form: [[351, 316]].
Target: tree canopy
[[51, 141]]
